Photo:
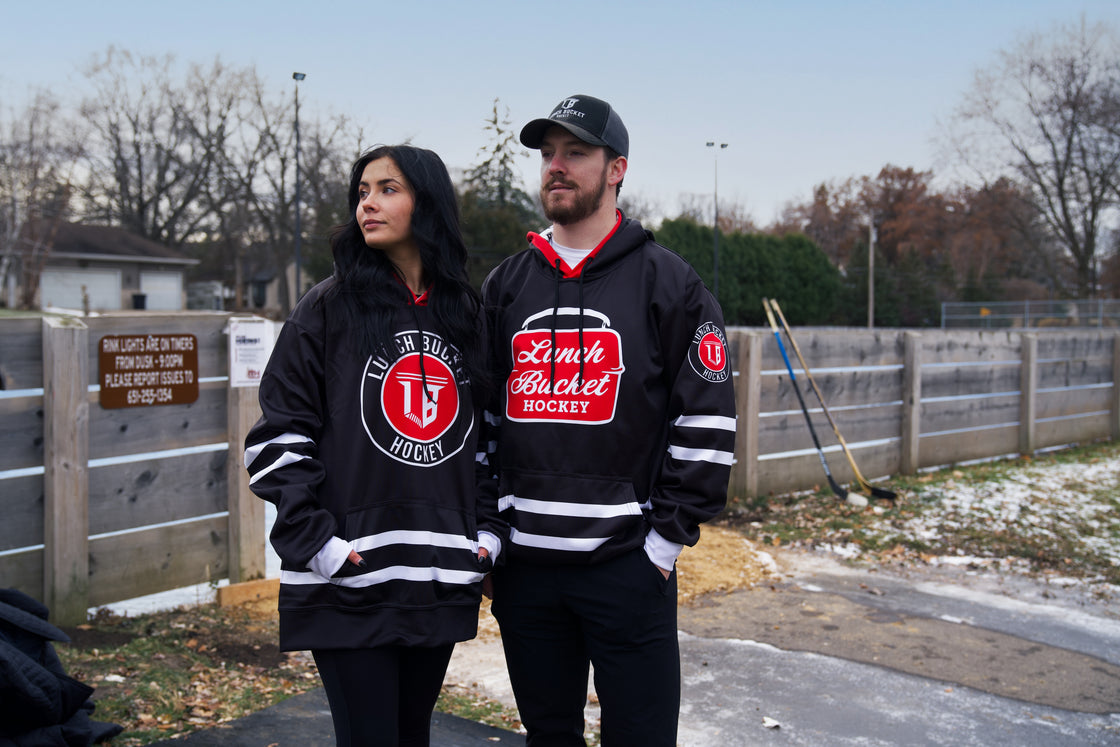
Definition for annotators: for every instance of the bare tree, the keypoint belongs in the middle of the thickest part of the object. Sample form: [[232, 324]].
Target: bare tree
[[1048, 113], [156, 143], [36, 162]]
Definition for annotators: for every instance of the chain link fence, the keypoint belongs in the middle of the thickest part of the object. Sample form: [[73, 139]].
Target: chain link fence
[[1006, 314]]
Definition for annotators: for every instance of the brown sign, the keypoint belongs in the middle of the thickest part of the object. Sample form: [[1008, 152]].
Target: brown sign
[[140, 370]]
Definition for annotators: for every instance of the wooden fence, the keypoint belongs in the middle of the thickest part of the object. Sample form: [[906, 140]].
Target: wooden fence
[[105, 504], [101, 505], [906, 400]]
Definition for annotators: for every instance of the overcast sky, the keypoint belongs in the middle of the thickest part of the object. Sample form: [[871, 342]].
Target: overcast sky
[[802, 92]]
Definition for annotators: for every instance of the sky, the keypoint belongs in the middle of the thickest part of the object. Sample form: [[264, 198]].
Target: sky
[[802, 92]]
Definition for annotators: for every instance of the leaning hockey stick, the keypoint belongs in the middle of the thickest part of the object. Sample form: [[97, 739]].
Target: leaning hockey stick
[[836, 488], [867, 487]]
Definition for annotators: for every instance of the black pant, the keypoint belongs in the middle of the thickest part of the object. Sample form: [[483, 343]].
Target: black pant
[[621, 616], [383, 697]]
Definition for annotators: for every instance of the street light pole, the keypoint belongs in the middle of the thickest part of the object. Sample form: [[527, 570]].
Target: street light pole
[[297, 77], [871, 272], [715, 222]]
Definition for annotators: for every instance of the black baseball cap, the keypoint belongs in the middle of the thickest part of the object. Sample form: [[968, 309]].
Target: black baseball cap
[[590, 119]]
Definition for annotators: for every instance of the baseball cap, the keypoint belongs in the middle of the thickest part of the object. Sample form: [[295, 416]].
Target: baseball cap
[[590, 119]]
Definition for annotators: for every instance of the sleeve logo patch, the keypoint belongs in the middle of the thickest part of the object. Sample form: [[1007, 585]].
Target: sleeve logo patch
[[708, 353]]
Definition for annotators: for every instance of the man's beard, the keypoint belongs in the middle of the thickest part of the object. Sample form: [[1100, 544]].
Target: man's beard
[[581, 206]]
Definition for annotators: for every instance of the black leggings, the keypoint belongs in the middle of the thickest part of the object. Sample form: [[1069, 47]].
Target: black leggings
[[383, 697]]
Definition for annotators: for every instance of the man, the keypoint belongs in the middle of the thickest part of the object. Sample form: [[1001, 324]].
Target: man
[[617, 426]]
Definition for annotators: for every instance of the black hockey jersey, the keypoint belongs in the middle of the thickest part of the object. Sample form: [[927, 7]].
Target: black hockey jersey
[[618, 412], [381, 452]]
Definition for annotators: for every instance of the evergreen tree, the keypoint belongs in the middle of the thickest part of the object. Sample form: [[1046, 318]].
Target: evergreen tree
[[496, 211]]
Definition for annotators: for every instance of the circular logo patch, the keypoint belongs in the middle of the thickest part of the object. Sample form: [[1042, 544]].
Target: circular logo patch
[[708, 353], [413, 414]]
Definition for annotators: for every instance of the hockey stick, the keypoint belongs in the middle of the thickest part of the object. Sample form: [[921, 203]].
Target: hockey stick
[[836, 488], [875, 492]]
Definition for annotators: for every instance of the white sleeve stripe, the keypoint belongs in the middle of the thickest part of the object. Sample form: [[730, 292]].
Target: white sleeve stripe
[[717, 422], [561, 508], [252, 452], [701, 455], [285, 459]]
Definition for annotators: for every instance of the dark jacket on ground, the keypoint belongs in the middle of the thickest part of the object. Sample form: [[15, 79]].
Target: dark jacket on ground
[[40, 705]]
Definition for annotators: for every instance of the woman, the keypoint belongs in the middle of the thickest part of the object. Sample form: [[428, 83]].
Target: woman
[[385, 525]]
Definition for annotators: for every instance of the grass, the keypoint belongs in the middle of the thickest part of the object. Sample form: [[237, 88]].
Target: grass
[[1028, 512], [170, 673]]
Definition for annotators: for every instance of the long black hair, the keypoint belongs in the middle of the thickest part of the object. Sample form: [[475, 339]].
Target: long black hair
[[368, 289]]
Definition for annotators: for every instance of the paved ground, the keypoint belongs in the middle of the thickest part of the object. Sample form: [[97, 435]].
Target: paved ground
[[832, 656]]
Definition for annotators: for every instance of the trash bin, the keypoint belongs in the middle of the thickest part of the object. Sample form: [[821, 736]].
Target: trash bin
[[139, 300]]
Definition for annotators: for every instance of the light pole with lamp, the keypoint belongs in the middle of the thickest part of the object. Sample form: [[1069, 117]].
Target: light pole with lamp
[[870, 271], [297, 77], [715, 223]]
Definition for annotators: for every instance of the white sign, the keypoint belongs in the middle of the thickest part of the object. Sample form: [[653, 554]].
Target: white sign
[[250, 345]]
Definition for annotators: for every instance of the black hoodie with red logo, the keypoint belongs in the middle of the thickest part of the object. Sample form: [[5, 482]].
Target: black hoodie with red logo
[[381, 452], [617, 416]]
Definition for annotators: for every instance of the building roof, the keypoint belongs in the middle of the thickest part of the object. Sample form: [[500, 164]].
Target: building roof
[[107, 243]]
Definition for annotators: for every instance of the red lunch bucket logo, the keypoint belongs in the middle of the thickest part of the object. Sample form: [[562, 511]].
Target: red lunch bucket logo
[[545, 383]]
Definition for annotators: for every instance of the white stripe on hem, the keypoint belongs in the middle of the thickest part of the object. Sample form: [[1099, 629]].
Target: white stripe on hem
[[569, 544], [562, 508], [384, 575]]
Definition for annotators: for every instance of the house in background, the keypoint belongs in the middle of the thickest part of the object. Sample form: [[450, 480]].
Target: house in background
[[103, 268]]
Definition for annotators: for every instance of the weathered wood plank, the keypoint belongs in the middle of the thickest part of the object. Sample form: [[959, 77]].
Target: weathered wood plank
[[21, 433], [951, 415], [951, 346], [789, 432], [834, 347], [23, 512], [65, 465], [1028, 393], [748, 359], [246, 511], [953, 448], [952, 381], [1081, 430], [1084, 345], [790, 474], [135, 494], [23, 571], [1053, 374], [1073, 402], [21, 353], [911, 426], [139, 563], [839, 389], [133, 430]]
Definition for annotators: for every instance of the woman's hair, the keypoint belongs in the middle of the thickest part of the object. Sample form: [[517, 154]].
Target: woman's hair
[[368, 289]]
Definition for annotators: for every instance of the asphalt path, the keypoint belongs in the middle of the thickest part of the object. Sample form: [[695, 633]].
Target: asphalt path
[[829, 655], [854, 657]]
